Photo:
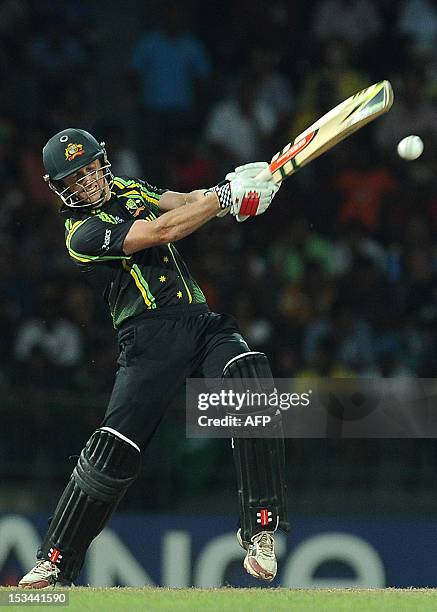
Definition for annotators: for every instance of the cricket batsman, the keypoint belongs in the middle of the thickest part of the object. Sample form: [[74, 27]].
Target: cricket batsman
[[120, 231]]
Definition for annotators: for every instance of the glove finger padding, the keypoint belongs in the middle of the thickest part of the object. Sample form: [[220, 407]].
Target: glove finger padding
[[247, 171], [252, 169], [265, 200], [251, 197], [242, 194]]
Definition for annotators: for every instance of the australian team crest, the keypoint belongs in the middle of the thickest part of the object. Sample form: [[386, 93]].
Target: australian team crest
[[134, 206], [73, 150]]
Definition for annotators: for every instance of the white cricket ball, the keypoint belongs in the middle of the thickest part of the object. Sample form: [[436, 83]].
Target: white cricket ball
[[410, 147]]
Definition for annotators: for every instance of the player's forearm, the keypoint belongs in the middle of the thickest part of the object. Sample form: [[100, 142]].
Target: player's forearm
[[174, 199], [181, 222], [172, 225]]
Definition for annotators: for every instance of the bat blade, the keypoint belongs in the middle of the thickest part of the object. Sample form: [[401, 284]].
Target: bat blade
[[336, 125]]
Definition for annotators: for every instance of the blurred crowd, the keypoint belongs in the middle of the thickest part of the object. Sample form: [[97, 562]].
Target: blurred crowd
[[337, 279]]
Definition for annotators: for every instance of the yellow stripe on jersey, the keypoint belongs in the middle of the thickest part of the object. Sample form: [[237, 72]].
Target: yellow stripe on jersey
[[143, 193], [88, 258], [141, 284], [119, 185], [81, 256], [122, 183], [73, 228], [130, 193], [148, 195]]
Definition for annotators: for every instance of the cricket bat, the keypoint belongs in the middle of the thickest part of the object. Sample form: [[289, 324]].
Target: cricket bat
[[332, 128]]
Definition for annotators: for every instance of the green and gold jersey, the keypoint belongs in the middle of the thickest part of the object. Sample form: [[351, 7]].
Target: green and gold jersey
[[150, 279]]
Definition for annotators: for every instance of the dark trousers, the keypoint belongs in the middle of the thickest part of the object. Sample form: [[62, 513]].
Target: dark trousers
[[156, 355]]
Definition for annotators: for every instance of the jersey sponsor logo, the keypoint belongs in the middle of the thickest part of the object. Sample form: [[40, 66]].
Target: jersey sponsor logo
[[105, 245], [73, 150]]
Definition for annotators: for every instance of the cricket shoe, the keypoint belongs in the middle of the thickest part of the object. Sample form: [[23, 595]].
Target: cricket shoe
[[260, 560], [43, 576]]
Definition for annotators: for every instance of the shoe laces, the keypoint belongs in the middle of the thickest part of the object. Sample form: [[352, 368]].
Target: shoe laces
[[266, 543], [41, 568]]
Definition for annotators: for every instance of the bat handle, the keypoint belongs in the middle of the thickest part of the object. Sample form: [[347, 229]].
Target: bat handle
[[264, 175]]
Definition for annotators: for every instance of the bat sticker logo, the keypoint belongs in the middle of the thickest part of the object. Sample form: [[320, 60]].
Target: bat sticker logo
[[291, 151]]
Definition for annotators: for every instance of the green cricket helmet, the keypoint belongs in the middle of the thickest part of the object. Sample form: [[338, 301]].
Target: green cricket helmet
[[64, 154]]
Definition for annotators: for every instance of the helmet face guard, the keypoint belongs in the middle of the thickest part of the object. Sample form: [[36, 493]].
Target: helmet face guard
[[76, 195], [64, 155]]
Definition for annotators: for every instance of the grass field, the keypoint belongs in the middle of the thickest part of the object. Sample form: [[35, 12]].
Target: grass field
[[230, 599]]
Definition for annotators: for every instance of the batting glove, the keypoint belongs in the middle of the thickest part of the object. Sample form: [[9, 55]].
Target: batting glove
[[251, 171], [242, 194]]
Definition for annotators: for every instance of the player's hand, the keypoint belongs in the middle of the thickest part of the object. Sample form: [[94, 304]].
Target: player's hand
[[250, 197], [242, 194], [246, 171], [251, 171]]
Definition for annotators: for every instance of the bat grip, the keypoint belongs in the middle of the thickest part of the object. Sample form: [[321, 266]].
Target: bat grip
[[264, 175]]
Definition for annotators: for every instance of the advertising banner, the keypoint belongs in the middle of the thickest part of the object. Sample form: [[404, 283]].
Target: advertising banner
[[201, 551]]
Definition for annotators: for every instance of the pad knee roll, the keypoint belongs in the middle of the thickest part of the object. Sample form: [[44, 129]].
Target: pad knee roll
[[251, 372], [252, 364], [107, 466]]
